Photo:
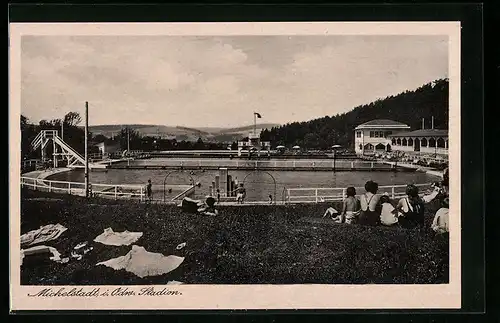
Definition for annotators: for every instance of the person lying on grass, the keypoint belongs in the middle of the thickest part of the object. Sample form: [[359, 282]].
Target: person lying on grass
[[199, 207]]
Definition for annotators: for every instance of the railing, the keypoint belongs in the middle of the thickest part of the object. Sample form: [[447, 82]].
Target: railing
[[31, 164], [127, 191], [320, 194]]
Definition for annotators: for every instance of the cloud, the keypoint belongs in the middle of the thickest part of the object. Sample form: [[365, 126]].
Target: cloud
[[219, 81]]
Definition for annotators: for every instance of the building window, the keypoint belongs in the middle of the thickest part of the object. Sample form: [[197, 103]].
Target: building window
[[371, 134], [358, 134], [432, 142], [360, 147], [440, 143], [398, 142], [393, 141], [405, 143], [410, 142], [423, 142]]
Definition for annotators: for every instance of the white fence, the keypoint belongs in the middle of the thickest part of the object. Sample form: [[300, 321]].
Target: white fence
[[126, 191], [320, 194], [289, 164]]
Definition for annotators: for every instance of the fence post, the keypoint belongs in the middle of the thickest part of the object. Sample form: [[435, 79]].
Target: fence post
[[344, 193], [371, 165], [69, 188], [50, 187], [294, 164], [34, 184], [142, 188], [116, 191], [392, 192], [352, 165], [316, 195]]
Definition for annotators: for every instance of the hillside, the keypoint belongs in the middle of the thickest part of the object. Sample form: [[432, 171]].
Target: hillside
[[181, 133], [408, 107]]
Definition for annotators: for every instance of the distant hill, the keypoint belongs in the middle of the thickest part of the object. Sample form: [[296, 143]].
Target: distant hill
[[408, 107], [181, 133]]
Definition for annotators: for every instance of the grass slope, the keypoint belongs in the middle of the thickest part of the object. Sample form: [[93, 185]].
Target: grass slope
[[243, 245]]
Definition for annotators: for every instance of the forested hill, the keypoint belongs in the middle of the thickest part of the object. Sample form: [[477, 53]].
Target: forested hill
[[408, 107]]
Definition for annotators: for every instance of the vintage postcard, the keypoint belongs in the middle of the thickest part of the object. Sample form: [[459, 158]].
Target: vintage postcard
[[235, 165]]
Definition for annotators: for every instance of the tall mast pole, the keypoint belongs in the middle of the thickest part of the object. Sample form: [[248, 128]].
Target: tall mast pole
[[128, 145], [86, 149]]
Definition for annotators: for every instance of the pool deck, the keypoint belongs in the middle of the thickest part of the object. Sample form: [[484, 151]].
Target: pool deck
[[418, 168], [42, 174]]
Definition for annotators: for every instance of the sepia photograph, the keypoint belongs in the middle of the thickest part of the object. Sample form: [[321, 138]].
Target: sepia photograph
[[152, 162]]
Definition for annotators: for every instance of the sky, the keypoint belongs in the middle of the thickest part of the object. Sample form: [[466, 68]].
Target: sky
[[220, 81]]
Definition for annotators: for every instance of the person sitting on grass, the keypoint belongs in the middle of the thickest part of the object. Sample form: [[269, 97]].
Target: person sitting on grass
[[440, 222], [411, 208], [389, 214], [370, 205], [350, 208], [333, 214]]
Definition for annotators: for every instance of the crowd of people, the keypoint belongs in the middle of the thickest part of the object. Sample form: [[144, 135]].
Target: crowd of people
[[371, 208], [429, 160]]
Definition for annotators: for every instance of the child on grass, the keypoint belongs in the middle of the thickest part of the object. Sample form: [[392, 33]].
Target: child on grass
[[389, 214]]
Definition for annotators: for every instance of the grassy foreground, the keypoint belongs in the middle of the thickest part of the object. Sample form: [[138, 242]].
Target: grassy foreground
[[243, 245]]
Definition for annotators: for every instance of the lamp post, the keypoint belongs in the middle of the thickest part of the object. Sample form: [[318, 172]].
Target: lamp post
[[334, 158]]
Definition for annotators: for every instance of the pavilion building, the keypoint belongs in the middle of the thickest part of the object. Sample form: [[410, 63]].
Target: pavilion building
[[253, 146], [373, 136], [432, 142]]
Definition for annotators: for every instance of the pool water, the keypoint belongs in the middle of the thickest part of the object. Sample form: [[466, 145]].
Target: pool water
[[259, 184]]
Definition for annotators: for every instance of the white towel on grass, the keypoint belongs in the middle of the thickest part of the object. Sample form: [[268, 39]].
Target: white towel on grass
[[143, 263], [111, 238], [45, 233]]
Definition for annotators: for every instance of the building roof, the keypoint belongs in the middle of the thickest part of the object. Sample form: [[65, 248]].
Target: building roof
[[382, 123], [422, 133]]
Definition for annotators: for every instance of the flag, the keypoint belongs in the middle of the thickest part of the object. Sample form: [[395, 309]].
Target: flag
[[257, 114]]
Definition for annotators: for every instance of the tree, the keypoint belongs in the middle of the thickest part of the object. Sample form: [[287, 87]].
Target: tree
[[407, 107], [199, 144], [128, 135], [72, 119]]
